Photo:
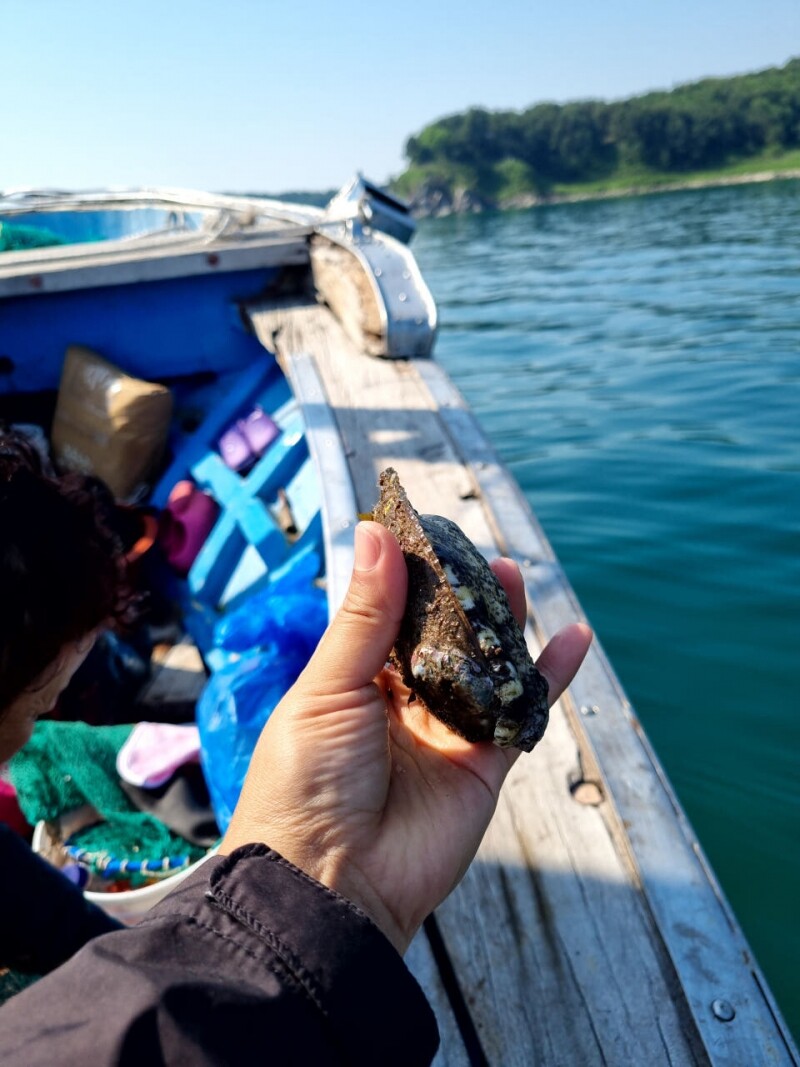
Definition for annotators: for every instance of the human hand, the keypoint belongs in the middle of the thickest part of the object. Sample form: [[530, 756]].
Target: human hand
[[366, 792]]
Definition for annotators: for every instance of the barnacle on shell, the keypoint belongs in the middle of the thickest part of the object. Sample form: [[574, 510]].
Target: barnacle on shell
[[460, 648]]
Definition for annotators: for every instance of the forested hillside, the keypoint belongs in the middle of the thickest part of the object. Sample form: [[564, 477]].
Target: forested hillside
[[495, 155]]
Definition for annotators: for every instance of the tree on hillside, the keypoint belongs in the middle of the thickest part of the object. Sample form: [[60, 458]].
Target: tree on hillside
[[703, 124]]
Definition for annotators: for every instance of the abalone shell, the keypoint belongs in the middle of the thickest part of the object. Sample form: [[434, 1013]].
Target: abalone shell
[[460, 648]]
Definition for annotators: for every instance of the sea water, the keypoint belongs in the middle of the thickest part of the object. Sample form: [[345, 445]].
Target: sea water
[[636, 363]]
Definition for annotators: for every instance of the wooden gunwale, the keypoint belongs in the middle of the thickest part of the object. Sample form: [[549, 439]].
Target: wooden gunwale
[[85, 267], [584, 932]]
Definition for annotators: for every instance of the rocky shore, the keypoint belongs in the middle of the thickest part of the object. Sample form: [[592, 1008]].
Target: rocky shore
[[437, 199]]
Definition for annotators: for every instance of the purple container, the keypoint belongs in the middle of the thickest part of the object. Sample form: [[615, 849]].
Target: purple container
[[235, 450], [248, 439]]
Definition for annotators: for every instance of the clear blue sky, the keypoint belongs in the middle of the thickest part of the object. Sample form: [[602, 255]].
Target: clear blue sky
[[263, 96]]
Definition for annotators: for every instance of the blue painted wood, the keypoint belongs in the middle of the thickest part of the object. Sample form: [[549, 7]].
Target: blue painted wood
[[153, 330], [259, 383], [246, 542], [303, 492], [249, 575], [246, 545]]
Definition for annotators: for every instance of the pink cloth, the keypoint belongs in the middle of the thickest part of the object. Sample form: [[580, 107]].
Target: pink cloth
[[10, 813], [154, 752]]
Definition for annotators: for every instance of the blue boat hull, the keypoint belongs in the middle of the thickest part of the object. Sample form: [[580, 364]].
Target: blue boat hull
[[158, 329]]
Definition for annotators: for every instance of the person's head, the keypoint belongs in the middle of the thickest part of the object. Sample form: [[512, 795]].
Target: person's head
[[62, 578]]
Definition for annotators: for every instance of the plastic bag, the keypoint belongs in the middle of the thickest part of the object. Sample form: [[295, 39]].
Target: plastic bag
[[231, 713], [277, 629], [289, 613]]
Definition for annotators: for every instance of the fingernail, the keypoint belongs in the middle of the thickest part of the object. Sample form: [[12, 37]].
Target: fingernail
[[367, 548]]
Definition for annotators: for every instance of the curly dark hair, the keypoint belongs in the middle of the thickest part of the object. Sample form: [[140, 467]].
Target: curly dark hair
[[62, 569]]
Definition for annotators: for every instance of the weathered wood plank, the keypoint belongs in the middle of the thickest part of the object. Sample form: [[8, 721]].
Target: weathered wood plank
[[61, 272], [422, 965], [351, 293], [571, 972], [384, 413], [375, 290]]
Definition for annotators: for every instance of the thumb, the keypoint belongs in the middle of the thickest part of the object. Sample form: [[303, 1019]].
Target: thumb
[[357, 643]]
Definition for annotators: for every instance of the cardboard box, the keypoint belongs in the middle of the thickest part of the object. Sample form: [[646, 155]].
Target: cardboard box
[[109, 424]]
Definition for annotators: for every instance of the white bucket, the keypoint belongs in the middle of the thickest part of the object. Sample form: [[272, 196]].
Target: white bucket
[[129, 905]]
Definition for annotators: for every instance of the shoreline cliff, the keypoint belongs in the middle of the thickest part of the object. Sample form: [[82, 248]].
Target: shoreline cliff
[[437, 200]]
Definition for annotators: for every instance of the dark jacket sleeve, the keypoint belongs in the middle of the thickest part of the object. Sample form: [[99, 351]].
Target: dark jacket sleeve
[[44, 919], [248, 961]]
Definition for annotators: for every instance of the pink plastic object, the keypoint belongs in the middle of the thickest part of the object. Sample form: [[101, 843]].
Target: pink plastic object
[[247, 439], [186, 522], [155, 750]]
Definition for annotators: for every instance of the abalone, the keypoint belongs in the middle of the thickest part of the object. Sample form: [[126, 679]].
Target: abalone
[[460, 648]]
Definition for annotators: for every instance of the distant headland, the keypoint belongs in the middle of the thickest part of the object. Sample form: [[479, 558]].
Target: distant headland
[[718, 131]]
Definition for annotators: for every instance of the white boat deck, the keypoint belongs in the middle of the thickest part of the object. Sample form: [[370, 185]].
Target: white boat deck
[[589, 929]]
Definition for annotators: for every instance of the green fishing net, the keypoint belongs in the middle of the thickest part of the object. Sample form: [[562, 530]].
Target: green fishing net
[[67, 765], [16, 238], [13, 982]]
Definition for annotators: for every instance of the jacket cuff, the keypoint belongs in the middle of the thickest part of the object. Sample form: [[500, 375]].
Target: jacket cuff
[[340, 959]]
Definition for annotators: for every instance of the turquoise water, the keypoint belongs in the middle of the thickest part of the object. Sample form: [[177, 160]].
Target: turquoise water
[[637, 365]]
